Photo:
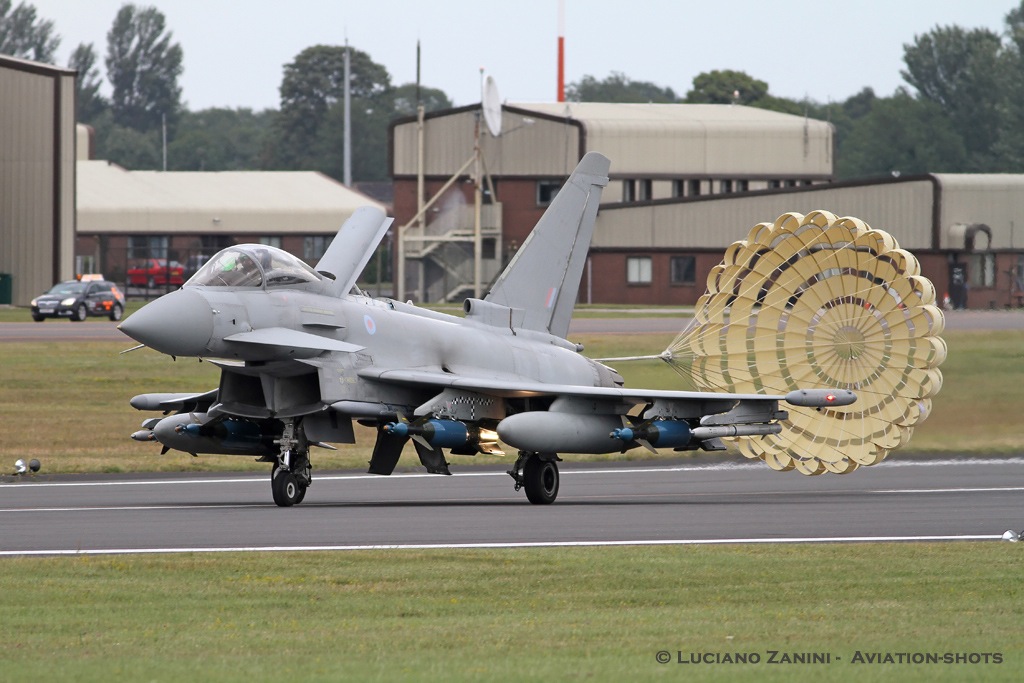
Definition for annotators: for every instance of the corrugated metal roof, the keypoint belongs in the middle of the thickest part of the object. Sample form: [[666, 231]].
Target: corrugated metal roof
[[994, 199], [700, 139], [642, 140], [113, 199], [902, 208], [684, 116], [37, 175]]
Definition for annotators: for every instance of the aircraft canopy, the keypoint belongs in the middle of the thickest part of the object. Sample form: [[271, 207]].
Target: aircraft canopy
[[253, 265]]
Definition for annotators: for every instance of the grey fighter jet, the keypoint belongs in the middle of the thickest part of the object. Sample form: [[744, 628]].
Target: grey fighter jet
[[303, 353]]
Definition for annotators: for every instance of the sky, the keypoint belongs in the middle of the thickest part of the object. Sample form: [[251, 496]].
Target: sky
[[234, 52]]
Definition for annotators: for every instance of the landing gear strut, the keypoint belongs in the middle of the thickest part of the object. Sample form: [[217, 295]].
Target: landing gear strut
[[538, 474], [292, 473]]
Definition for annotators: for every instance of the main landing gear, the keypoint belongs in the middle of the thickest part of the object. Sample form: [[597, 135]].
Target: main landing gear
[[292, 473], [538, 474]]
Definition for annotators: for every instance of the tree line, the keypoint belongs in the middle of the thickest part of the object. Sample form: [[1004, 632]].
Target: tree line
[[960, 111]]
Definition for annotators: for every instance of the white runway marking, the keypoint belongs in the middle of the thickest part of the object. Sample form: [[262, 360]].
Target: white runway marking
[[495, 546], [994, 489], [135, 508], [565, 472]]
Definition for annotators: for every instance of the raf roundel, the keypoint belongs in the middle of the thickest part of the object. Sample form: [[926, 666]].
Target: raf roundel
[[370, 325]]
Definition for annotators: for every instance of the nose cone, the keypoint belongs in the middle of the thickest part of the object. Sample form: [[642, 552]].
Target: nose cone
[[178, 324]]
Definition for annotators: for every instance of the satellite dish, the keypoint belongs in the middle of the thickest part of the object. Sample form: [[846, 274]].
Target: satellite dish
[[492, 107]]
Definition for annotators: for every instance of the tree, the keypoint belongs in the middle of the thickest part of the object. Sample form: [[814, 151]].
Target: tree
[[901, 135], [23, 35], [726, 87], [127, 147], [310, 125], [617, 87], [965, 73], [1009, 148], [432, 99], [143, 67], [87, 86], [219, 140]]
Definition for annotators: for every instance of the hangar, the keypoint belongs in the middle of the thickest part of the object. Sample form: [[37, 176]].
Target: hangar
[[182, 217], [37, 177], [686, 181]]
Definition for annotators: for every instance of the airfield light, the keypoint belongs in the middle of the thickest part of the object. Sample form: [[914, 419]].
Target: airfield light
[[1011, 536]]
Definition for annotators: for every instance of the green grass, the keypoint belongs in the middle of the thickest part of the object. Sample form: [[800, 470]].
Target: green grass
[[513, 615], [66, 403]]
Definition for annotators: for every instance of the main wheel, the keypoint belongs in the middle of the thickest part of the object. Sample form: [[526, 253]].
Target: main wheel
[[286, 488], [540, 479], [80, 313]]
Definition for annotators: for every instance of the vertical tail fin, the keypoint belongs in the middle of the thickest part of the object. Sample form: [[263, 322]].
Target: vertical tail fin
[[543, 278], [351, 249]]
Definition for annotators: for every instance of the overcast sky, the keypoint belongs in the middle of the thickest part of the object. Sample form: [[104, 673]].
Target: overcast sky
[[234, 51]]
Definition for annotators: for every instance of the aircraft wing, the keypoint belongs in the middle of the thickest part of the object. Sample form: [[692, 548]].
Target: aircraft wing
[[513, 387]]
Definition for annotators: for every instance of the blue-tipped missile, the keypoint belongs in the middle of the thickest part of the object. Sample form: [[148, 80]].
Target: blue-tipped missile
[[663, 433], [458, 436]]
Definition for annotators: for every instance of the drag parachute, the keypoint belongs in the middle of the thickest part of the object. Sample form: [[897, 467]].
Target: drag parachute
[[820, 301]]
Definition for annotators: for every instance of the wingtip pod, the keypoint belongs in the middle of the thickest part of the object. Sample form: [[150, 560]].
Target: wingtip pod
[[820, 398], [811, 306]]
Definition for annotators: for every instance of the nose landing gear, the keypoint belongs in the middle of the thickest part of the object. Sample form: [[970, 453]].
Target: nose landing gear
[[292, 473]]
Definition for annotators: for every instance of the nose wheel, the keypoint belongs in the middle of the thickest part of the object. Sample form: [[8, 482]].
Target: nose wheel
[[292, 473], [538, 474]]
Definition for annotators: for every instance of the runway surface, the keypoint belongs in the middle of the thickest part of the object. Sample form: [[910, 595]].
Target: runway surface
[[624, 503]]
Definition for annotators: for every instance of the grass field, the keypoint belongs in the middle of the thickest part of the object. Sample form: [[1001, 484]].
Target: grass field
[[515, 615]]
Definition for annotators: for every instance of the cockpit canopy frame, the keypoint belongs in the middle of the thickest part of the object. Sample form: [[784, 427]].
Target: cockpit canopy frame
[[254, 266]]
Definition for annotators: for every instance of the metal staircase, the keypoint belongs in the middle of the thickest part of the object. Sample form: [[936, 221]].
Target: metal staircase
[[440, 255]]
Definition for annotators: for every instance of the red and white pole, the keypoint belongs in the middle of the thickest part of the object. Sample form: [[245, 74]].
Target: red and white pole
[[561, 51]]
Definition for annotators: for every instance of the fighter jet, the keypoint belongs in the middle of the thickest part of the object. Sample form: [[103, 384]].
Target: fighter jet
[[303, 353]]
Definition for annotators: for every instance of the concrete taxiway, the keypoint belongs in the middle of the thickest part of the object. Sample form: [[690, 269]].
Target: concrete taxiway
[[622, 503]]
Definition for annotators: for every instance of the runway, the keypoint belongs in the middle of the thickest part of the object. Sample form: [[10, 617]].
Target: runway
[[608, 504]]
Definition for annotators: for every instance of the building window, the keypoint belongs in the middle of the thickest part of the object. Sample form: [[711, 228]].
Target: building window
[[148, 246], [638, 270], [678, 188], [742, 185], [546, 191], [725, 186], [694, 188], [644, 189], [628, 191], [487, 197], [314, 246], [271, 241], [774, 184], [683, 270], [982, 269]]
